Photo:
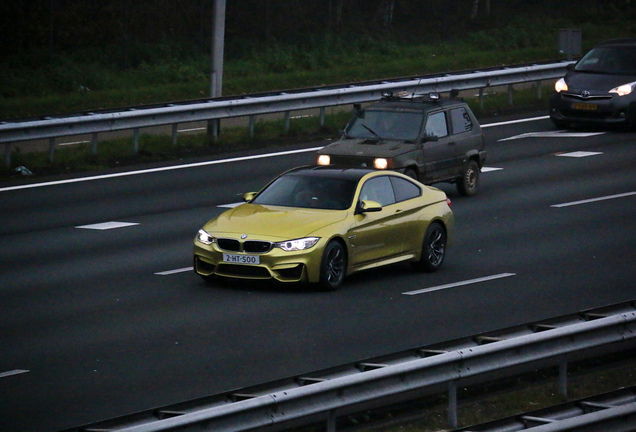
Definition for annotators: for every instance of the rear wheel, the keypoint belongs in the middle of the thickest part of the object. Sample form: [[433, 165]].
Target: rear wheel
[[433, 249], [469, 182], [333, 266]]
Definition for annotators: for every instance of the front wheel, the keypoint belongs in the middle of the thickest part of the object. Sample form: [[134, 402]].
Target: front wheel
[[433, 249], [333, 266], [469, 182]]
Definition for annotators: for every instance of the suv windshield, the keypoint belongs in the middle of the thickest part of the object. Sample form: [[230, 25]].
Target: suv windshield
[[610, 60], [386, 124]]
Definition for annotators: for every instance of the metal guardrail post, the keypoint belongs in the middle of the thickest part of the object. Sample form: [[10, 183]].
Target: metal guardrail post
[[136, 140], [322, 116], [287, 122], [175, 130], [94, 143], [252, 124], [51, 149], [7, 154], [452, 404]]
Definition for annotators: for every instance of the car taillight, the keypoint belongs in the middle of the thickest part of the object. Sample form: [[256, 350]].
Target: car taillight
[[448, 201]]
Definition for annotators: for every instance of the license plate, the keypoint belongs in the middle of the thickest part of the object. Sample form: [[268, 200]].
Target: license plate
[[241, 259], [585, 106]]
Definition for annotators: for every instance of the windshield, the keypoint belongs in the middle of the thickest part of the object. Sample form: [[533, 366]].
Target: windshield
[[308, 192], [392, 125], [609, 60]]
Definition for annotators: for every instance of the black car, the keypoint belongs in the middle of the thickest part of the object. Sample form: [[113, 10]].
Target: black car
[[599, 89], [427, 138]]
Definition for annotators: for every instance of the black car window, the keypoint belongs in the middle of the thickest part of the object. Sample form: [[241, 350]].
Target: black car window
[[404, 189], [386, 124], [308, 192], [611, 60], [460, 120], [436, 125], [378, 189]]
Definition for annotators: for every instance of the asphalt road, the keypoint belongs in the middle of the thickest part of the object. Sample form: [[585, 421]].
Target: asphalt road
[[97, 321]]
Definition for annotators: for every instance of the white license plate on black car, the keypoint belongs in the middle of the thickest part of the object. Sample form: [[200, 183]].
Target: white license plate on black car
[[241, 259]]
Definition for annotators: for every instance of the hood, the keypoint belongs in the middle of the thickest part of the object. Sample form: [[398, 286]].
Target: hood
[[368, 147], [595, 82], [272, 222]]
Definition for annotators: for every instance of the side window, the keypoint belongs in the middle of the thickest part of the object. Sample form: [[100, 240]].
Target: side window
[[404, 189], [436, 125], [378, 189], [460, 120]]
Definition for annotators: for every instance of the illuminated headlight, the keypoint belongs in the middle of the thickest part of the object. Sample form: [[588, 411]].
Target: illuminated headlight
[[298, 244], [623, 90], [324, 160], [205, 238], [381, 163], [560, 86]]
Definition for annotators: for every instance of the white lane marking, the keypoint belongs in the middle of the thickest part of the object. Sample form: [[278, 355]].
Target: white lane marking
[[591, 200], [169, 272], [579, 154], [515, 121], [107, 225], [489, 169], [553, 134], [13, 372], [232, 205], [155, 170], [456, 284]]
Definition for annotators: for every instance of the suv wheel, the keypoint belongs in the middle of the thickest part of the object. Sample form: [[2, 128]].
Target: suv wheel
[[469, 182]]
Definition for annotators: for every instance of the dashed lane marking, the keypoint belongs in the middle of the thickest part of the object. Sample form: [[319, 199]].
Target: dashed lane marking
[[579, 154], [107, 225], [180, 270], [456, 284], [591, 200], [12, 372]]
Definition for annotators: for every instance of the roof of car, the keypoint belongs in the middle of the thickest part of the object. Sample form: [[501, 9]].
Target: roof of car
[[354, 174], [416, 104], [621, 41]]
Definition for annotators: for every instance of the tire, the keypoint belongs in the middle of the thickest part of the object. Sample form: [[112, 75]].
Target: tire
[[411, 173], [333, 266], [468, 184], [433, 249]]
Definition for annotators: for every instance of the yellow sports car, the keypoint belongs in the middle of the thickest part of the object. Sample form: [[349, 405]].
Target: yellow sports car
[[318, 224]]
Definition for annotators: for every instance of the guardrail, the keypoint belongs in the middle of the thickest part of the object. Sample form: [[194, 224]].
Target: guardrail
[[251, 106], [611, 412], [325, 396]]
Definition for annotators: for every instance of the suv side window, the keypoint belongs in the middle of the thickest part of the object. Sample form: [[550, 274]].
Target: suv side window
[[436, 125], [404, 189], [378, 189], [460, 120]]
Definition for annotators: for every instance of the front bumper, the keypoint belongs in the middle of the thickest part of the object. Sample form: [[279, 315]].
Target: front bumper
[[298, 266], [606, 110]]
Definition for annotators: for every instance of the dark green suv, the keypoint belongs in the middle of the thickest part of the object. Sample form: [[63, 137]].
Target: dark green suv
[[430, 139]]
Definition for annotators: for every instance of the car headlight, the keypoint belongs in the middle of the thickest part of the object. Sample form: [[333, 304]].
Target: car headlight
[[324, 160], [298, 244], [205, 238], [623, 90], [381, 163], [560, 86]]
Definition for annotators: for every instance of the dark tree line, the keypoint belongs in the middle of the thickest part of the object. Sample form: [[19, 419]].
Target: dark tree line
[[61, 26]]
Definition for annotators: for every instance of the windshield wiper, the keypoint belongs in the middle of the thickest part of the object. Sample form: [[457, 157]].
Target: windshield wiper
[[372, 131]]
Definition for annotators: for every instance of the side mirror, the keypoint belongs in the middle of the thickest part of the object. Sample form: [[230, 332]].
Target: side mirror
[[249, 196], [430, 138], [365, 206]]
